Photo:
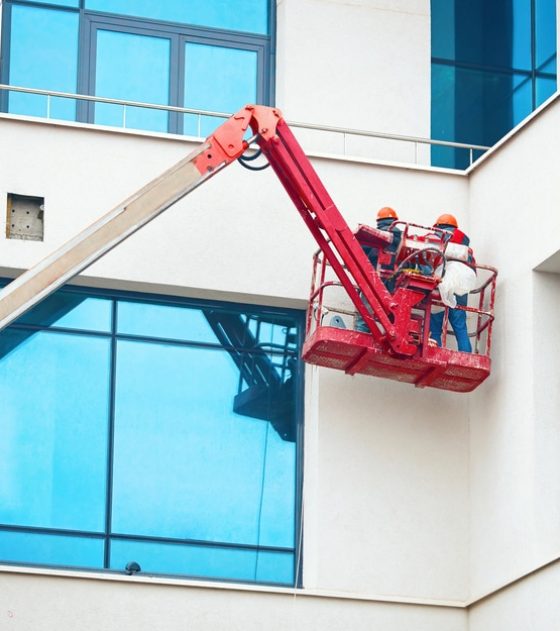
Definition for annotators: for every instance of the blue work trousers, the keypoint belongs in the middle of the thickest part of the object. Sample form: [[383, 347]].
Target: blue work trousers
[[458, 321]]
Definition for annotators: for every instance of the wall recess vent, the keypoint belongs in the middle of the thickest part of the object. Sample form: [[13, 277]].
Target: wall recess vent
[[25, 217]]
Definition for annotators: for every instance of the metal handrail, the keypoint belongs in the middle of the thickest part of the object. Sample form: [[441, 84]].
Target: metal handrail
[[386, 136], [299, 125], [103, 99]]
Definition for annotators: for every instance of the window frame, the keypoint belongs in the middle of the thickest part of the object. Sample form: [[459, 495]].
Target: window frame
[[457, 157], [114, 336], [91, 21]]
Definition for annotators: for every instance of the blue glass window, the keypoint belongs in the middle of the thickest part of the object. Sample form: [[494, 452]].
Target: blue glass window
[[174, 416], [214, 55], [54, 389], [47, 549], [493, 63], [234, 15], [545, 32], [233, 70], [71, 311], [164, 321], [44, 55], [222, 562], [132, 67], [545, 88], [165, 435]]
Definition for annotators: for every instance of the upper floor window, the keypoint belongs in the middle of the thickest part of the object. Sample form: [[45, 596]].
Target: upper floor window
[[159, 431], [210, 55], [493, 63]]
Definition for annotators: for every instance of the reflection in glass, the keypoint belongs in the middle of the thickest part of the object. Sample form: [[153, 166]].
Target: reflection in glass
[[71, 311], [44, 55], [167, 321], [43, 549], [54, 390], [134, 68], [488, 65], [177, 436], [204, 561], [233, 69], [204, 439], [545, 88], [275, 567], [237, 15], [545, 31], [474, 106]]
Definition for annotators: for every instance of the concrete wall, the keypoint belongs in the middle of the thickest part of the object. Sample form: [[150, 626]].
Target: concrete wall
[[532, 603], [408, 494], [240, 217], [363, 64], [386, 466], [31, 602], [386, 489], [514, 430]]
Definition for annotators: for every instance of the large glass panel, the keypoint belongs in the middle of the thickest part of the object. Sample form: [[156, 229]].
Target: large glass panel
[[177, 436], [522, 98], [545, 88], [275, 567], [277, 511], [204, 561], [474, 106], [520, 35], [165, 321], [54, 390], [207, 325], [545, 30], [443, 29], [232, 69], [44, 55], [236, 15], [42, 549], [496, 33], [134, 68], [197, 561], [71, 311], [549, 67]]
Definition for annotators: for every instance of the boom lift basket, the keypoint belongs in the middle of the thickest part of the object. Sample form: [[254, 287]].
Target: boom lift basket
[[333, 341]]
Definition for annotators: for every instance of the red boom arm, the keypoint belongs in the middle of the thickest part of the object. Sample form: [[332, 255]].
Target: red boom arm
[[387, 316]]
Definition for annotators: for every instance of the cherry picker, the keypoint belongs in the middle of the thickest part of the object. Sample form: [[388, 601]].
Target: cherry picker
[[396, 344]]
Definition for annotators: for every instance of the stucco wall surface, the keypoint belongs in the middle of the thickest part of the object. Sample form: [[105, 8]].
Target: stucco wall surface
[[239, 234], [387, 512], [32, 603], [386, 493], [514, 429], [363, 64], [531, 604]]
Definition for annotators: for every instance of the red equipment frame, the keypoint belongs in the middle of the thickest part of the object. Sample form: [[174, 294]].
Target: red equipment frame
[[397, 346]]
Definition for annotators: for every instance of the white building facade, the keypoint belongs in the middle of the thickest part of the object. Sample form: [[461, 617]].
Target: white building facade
[[351, 502]]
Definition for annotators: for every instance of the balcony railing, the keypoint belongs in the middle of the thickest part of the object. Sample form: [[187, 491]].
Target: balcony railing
[[340, 142]]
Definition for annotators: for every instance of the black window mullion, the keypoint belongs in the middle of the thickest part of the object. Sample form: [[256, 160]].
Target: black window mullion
[[110, 439]]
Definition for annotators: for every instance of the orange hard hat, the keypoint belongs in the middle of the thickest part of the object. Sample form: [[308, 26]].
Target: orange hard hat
[[386, 212], [447, 220]]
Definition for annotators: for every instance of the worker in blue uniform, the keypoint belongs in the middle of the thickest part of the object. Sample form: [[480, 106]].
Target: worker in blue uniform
[[457, 317], [386, 217]]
